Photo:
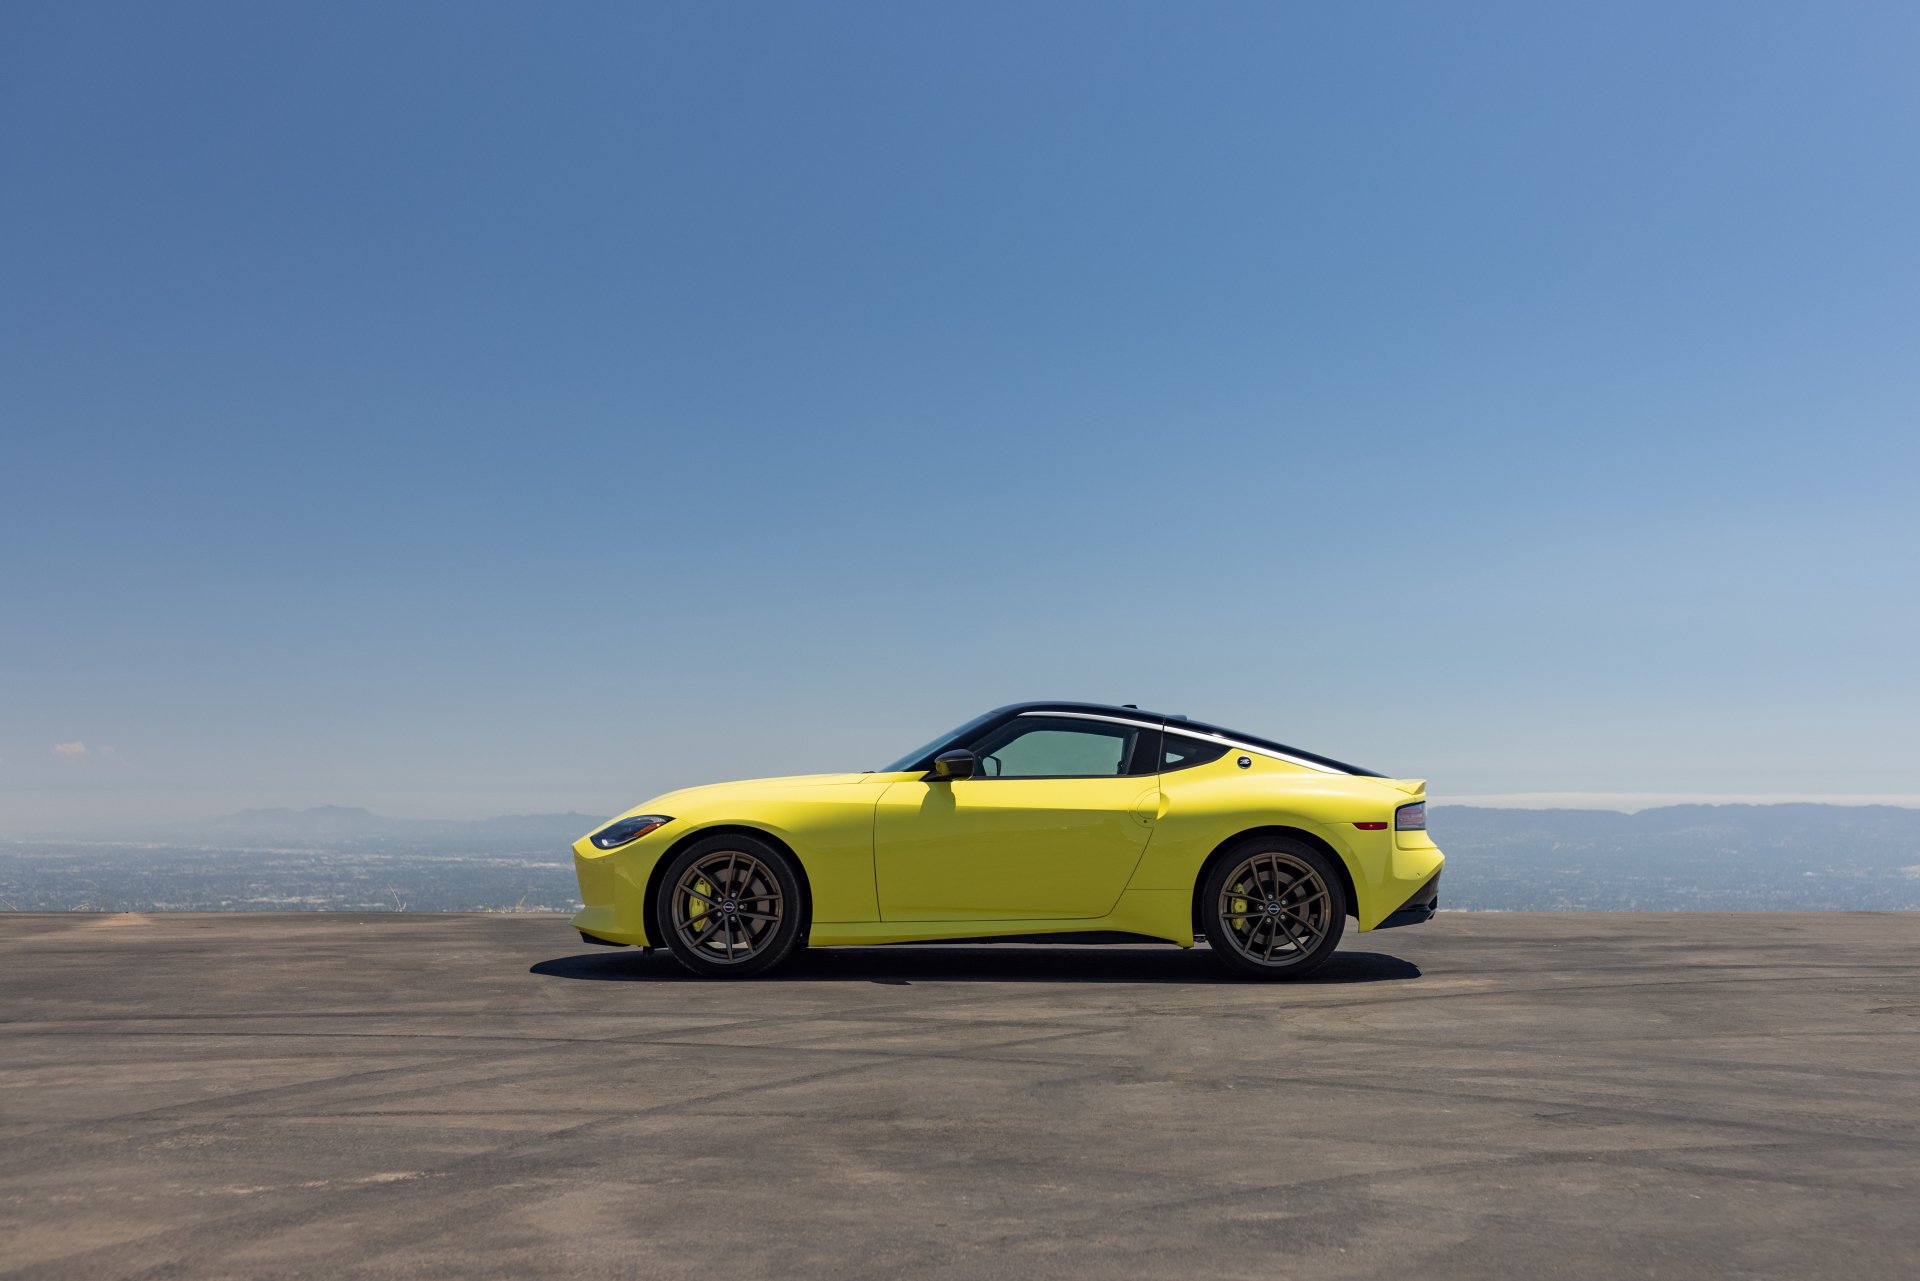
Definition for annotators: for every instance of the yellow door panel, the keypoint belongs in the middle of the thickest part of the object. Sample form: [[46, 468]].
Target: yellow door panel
[[1009, 848]]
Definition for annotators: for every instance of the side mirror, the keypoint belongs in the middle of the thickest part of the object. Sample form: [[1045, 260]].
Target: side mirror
[[955, 764]]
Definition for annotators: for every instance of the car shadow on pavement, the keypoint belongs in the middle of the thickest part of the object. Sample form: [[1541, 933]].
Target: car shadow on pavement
[[910, 963]]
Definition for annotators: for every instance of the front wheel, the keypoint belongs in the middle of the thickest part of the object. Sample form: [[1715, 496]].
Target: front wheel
[[730, 907], [1273, 908]]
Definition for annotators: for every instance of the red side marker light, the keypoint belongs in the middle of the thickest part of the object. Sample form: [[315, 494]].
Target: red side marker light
[[1371, 827]]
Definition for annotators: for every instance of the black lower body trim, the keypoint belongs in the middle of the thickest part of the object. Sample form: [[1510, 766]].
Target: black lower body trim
[[588, 938], [1418, 909], [1051, 936]]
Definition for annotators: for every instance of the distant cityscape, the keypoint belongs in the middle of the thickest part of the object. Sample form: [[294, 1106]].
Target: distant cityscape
[[1674, 858]]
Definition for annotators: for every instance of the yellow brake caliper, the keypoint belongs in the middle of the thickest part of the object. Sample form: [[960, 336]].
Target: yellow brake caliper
[[709, 904]]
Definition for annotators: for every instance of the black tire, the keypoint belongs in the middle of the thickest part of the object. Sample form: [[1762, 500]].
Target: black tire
[[730, 893], [1273, 908]]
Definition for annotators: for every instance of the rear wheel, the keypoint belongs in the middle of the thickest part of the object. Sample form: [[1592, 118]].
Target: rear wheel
[[730, 906], [1273, 908]]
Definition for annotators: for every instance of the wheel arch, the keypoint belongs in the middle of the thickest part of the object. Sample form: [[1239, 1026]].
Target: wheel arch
[[674, 850], [1275, 829]]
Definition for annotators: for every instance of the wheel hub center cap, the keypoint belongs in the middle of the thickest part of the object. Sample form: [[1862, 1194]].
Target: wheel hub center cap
[[1272, 908], [727, 906]]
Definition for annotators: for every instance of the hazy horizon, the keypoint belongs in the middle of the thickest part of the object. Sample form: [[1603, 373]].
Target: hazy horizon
[[434, 411], [1689, 857], [130, 831]]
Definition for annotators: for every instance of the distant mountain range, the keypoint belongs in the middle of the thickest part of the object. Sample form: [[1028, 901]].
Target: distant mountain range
[[1710, 857], [1695, 829], [353, 826], [1676, 857], [1787, 823]]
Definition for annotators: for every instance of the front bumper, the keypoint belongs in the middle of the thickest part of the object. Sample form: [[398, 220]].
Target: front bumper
[[1419, 907], [596, 939], [604, 925]]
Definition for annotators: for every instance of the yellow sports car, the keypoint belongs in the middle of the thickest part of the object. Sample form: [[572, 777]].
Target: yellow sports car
[[1039, 818]]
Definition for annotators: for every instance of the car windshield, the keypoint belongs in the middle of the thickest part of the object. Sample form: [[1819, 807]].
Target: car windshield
[[926, 749]]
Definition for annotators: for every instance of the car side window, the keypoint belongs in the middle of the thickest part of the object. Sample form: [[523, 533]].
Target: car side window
[[1181, 752], [1039, 747]]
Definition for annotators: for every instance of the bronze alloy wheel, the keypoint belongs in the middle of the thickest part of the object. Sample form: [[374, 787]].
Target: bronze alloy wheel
[[730, 905], [1274, 909], [727, 907]]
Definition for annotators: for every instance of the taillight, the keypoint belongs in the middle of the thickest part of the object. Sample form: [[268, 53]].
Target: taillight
[[1411, 818]]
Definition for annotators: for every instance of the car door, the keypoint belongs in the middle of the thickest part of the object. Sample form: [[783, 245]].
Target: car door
[[1050, 828]]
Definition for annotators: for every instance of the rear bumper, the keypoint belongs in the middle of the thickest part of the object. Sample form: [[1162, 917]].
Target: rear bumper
[[1419, 907]]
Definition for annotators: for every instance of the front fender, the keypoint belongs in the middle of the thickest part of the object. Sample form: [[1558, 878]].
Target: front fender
[[829, 828]]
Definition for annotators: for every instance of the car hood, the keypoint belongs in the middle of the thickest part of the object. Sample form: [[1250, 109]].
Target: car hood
[[754, 787]]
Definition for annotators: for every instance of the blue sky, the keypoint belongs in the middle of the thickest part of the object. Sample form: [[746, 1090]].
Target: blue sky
[[475, 408]]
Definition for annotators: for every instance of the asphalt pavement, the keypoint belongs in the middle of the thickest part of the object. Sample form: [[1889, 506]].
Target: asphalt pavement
[[1489, 1095]]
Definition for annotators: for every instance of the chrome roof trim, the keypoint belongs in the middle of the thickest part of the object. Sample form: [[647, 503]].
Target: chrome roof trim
[[1094, 716]]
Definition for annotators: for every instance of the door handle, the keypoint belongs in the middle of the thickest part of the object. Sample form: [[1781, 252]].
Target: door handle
[[1149, 808]]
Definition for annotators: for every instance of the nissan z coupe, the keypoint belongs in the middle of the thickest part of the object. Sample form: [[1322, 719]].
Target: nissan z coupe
[[1038, 818]]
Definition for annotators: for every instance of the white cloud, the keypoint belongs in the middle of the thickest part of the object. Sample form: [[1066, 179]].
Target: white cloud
[[1632, 802], [72, 751]]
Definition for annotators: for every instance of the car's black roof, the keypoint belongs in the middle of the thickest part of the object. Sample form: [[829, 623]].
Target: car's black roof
[[1126, 711]]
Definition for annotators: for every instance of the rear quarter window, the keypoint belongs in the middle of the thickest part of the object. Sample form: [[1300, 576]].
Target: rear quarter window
[[1184, 753]]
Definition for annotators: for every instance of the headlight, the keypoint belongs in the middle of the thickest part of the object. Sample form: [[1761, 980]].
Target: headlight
[[628, 829]]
